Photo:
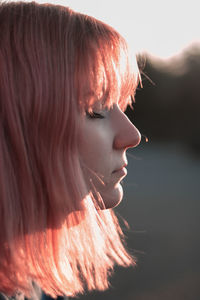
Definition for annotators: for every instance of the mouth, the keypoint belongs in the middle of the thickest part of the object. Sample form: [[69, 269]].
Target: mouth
[[121, 172], [121, 169]]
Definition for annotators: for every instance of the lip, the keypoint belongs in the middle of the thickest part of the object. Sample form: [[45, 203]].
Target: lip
[[121, 172], [121, 169]]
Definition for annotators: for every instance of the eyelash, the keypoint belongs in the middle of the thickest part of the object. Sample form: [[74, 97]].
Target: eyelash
[[94, 115]]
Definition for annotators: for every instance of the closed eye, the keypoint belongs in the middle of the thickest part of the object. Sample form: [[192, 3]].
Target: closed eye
[[94, 115]]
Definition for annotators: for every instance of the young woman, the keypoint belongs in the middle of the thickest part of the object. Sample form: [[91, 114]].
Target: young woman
[[65, 81]]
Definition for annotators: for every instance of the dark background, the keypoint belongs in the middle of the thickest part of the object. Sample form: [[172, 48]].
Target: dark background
[[162, 189]]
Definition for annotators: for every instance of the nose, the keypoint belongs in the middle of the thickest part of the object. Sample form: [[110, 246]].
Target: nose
[[127, 135]]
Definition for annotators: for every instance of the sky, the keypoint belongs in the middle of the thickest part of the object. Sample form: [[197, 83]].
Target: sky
[[161, 27]]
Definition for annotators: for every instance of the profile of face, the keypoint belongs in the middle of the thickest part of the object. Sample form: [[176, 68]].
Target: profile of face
[[104, 138]]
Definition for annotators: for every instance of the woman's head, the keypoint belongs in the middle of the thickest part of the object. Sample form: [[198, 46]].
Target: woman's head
[[57, 66]]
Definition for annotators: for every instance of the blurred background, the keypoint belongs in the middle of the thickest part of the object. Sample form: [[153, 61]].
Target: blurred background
[[162, 189]]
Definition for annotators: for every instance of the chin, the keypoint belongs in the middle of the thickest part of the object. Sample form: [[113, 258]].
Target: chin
[[112, 198]]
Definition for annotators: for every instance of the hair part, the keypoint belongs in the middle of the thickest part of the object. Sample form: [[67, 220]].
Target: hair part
[[51, 59]]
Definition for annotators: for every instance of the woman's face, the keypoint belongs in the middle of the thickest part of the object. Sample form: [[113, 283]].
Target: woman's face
[[105, 135]]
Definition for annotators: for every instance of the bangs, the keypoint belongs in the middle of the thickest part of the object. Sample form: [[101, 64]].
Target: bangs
[[106, 71]]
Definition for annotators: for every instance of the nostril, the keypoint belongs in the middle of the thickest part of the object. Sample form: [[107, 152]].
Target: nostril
[[135, 141], [127, 139], [135, 138]]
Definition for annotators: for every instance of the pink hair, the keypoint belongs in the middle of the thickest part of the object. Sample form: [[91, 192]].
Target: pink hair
[[54, 61]]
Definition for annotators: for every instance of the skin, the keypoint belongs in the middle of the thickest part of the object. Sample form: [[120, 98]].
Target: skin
[[104, 139]]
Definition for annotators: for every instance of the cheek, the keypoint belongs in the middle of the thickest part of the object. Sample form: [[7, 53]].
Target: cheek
[[97, 157], [94, 147]]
